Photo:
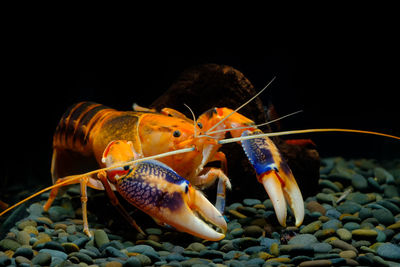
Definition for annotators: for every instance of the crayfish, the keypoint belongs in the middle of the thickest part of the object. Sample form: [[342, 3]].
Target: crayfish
[[157, 162]]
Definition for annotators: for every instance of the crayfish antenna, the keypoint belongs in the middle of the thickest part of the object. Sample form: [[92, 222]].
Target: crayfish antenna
[[67, 181], [236, 110], [257, 125], [318, 130], [194, 120]]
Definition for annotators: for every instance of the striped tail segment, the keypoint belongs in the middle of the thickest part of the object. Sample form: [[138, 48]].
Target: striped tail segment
[[77, 124]]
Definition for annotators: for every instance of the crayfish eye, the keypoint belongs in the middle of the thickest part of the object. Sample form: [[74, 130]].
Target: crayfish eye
[[126, 168], [200, 125], [177, 133]]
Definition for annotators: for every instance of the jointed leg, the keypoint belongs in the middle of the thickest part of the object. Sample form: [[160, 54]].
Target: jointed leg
[[54, 191], [84, 199], [208, 178]]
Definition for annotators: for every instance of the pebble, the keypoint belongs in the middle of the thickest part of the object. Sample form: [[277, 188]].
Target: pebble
[[389, 251], [313, 206], [344, 234], [311, 227], [384, 216], [42, 258], [251, 201], [100, 238], [364, 234], [343, 245], [9, 244], [25, 252]]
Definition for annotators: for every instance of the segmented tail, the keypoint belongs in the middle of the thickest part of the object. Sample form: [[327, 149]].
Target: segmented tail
[[77, 124]]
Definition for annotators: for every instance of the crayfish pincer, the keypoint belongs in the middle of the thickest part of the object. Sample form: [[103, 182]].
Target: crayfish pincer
[[159, 191]]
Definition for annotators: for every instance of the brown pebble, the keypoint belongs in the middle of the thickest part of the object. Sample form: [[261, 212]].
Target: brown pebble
[[315, 263], [313, 206], [31, 230], [352, 262], [113, 264], [343, 245], [60, 226], [348, 254], [237, 214]]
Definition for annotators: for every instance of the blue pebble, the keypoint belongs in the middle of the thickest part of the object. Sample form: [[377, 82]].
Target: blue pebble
[[389, 251], [349, 207], [351, 226], [55, 253], [113, 252], [333, 214], [267, 242], [333, 224], [175, 257]]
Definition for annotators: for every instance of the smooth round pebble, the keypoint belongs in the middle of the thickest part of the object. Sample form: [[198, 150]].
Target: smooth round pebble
[[349, 254], [344, 234], [100, 238], [389, 251], [42, 258], [384, 216]]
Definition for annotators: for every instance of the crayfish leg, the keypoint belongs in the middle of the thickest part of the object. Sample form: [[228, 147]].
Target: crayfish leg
[[54, 191], [208, 178], [115, 202]]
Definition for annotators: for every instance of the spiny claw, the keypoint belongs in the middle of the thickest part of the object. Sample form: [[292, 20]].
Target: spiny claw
[[160, 192], [276, 176]]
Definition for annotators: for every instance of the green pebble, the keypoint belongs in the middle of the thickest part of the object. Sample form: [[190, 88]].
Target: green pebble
[[390, 191], [325, 233], [26, 223], [384, 216], [153, 231], [361, 198], [253, 231], [251, 201], [325, 198], [100, 238], [311, 227], [364, 233], [42, 259], [328, 184], [82, 257], [196, 246], [9, 244], [237, 232], [359, 182], [274, 249], [70, 247], [23, 238], [344, 234]]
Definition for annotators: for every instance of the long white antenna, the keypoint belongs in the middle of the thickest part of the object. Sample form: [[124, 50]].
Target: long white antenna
[[242, 138], [194, 119], [236, 110], [252, 126]]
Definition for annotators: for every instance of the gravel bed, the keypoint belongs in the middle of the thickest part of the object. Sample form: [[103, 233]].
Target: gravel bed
[[354, 220]]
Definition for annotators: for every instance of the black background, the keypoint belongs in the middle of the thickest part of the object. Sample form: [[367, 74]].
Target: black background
[[338, 81]]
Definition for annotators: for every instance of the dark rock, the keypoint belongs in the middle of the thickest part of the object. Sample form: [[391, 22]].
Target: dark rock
[[350, 207], [82, 257], [55, 253], [359, 182], [113, 252], [25, 252], [384, 216], [42, 259], [132, 262]]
